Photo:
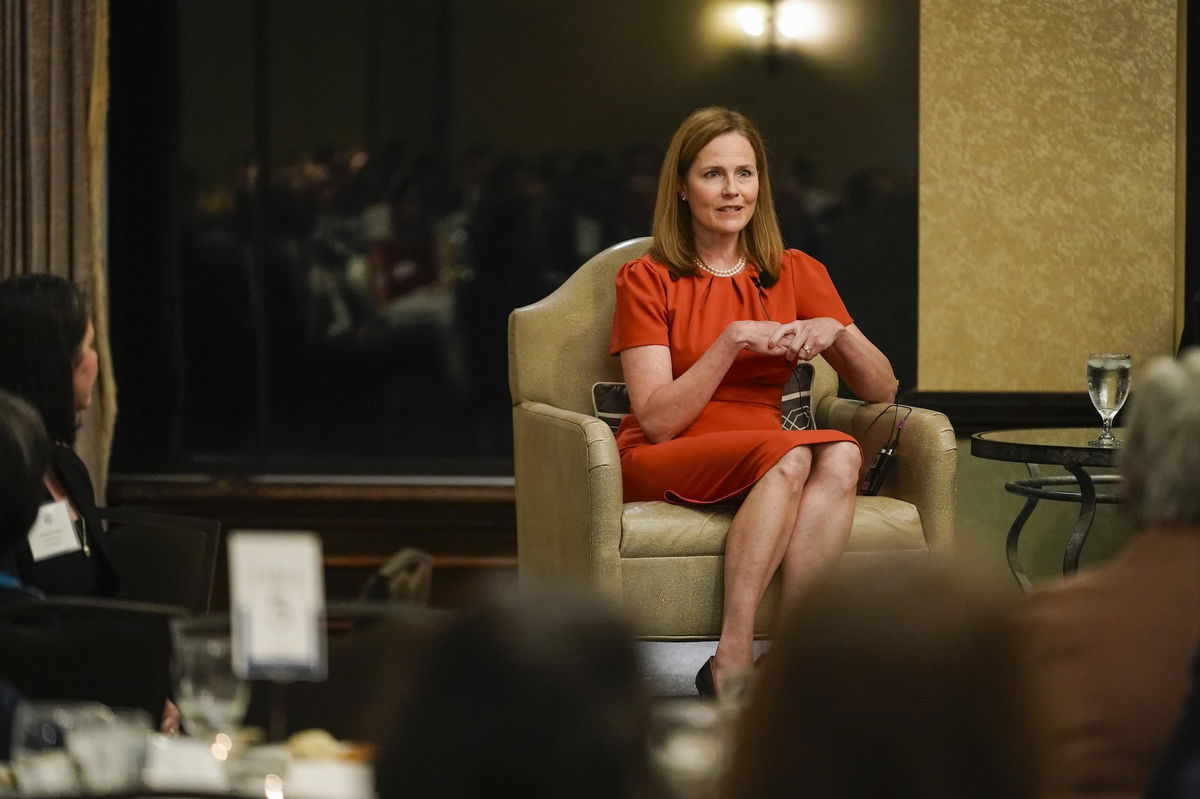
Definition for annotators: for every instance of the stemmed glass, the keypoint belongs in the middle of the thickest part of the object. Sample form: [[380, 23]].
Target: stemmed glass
[[1108, 377], [212, 699]]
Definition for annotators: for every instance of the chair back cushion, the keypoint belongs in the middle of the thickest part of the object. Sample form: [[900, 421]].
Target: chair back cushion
[[558, 347]]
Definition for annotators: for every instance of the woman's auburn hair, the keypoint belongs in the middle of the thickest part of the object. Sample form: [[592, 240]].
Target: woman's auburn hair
[[674, 244]]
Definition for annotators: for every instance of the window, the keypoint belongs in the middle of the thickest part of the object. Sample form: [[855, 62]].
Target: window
[[322, 211]]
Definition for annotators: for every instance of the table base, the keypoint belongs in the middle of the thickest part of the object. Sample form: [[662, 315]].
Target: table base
[[1035, 488]]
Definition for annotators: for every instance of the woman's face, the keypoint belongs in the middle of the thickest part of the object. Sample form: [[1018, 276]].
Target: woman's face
[[721, 186], [87, 364]]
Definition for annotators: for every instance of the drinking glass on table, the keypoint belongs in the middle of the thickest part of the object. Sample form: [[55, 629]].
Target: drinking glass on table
[[1109, 378], [689, 744], [109, 748], [41, 761], [212, 699]]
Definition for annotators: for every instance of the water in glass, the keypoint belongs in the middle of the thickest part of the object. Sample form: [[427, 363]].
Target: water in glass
[[211, 698], [1109, 378]]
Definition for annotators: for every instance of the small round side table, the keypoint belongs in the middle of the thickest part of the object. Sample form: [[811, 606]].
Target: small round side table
[[1063, 446]]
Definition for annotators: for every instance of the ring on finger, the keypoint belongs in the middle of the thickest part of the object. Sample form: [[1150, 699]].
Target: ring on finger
[[806, 348]]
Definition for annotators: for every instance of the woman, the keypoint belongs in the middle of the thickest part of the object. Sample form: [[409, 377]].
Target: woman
[[708, 326], [47, 358], [24, 458]]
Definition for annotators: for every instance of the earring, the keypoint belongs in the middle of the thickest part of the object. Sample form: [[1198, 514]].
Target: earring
[[683, 197]]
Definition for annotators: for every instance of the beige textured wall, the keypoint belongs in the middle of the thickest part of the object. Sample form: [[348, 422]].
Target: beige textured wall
[[1048, 150]]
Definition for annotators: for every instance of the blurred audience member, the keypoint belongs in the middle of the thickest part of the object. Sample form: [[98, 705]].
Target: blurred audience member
[[894, 682], [1113, 647], [24, 458], [48, 359], [1178, 774], [538, 695]]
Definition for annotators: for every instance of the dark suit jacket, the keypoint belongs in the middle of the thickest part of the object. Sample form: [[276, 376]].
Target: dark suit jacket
[[73, 573], [1112, 651], [1178, 775]]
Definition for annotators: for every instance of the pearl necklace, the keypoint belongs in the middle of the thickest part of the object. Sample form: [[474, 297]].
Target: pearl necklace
[[730, 272]]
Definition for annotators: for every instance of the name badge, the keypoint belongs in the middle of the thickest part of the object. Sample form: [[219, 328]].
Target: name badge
[[278, 605], [53, 533]]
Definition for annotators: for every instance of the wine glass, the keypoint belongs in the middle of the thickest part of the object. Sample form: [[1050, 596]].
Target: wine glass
[[1108, 377], [212, 699]]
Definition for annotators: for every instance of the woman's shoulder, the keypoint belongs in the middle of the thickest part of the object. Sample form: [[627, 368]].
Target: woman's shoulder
[[646, 271], [647, 263], [797, 265], [800, 259], [72, 471]]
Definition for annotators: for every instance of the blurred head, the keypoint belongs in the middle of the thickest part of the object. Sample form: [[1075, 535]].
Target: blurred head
[[896, 681], [536, 695], [46, 349], [1161, 456], [674, 221], [24, 458]]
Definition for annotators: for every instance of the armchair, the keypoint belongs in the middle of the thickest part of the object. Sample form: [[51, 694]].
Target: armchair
[[664, 562]]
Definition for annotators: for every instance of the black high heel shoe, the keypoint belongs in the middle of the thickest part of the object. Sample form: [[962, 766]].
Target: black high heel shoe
[[705, 685]]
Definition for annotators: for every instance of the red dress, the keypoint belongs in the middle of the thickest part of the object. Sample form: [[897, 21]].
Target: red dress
[[736, 439]]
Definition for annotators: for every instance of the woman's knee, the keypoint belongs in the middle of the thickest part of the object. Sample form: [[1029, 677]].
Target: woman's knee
[[794, 466], [839, 461]]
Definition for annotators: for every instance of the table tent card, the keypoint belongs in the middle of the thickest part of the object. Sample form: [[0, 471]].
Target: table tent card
[[278, 598]]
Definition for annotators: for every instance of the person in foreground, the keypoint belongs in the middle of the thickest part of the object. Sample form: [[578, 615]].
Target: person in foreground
[[1113, 647], [47, 359], [708, 326], [538, 694], [902, 680]]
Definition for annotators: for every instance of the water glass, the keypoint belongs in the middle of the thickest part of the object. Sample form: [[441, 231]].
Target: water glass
[[212, 699], [109, 749], [1108, 378]]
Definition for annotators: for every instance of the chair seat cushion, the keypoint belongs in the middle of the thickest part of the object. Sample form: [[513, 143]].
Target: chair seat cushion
[[663, 530]]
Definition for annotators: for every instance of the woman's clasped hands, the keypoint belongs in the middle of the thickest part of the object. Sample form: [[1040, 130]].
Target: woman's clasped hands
[[801, 340]]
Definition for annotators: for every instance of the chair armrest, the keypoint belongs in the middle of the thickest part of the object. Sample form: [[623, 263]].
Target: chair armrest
[[569, 496], [925, 470]]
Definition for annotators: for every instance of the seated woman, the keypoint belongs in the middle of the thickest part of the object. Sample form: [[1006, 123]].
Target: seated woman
[[24, 458], [47, 359], [709, 325], [24, 455]]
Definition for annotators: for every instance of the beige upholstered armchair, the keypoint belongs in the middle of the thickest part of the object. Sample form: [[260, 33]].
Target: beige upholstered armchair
[[663, 561]]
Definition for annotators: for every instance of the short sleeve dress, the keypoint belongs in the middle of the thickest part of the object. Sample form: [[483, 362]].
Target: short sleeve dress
[[737, 438]]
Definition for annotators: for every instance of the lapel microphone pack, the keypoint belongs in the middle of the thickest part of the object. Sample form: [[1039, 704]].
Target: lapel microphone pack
[[873, 478]]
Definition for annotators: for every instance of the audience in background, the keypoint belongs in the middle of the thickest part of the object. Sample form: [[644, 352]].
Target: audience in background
[[392, 274], [47, 358], [897, 681], [1113, 647], [539, 696]]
